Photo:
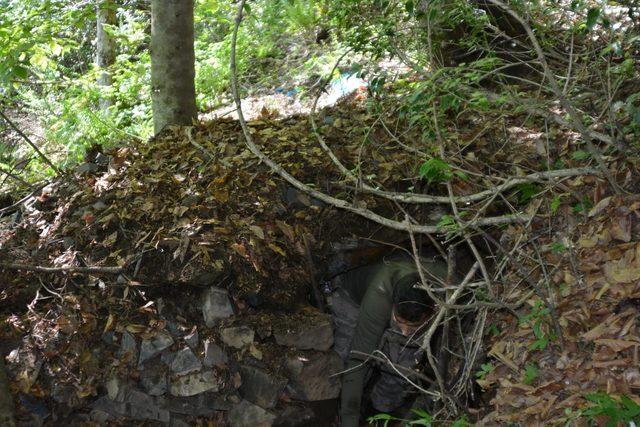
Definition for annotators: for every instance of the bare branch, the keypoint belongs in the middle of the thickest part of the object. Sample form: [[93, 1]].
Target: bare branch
[[30, 142], [65, 269], [338, 203], [566, 104]]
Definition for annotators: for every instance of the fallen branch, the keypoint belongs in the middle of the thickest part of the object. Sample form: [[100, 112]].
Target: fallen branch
[[65, 269], [30, 142], [426, 198], [508, 184], [338, 203], [15, 177], [24, 199]]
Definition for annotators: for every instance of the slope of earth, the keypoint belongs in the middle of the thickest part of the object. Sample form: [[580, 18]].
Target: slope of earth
[[150, 239]]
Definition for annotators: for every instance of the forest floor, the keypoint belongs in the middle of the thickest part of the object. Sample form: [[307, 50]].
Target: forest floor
[[140, 235]]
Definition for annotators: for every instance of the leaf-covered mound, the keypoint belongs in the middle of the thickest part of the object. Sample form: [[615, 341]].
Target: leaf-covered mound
[[194, 208]]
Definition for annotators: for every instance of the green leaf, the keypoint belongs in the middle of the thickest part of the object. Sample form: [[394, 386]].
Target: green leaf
[[580, 155], [526, 191], [460, 422], [530, 373], [555, 204], [557, 248], [592, 17], [383, 417], [20, 72], [447, 222], [435, 170], [409, 6], [424, 419]]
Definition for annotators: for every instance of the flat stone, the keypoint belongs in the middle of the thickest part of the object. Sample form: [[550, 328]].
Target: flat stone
[[246, 414], [216, 305], [309, 376], [195, 383], [214, 355], [116, 389], [185, 361], [152, 347], [202, 405], [136, 405], [314, 333], [192, 338], [261, 387], [128, 347], [153, 379], [104, 405], [238, 336], [141, 406], [99, 416]]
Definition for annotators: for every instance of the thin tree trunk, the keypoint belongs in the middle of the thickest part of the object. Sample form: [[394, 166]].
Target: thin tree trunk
[[105, 47], [172, 63]]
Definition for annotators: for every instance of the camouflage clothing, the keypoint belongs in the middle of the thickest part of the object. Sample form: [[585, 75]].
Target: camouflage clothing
[[361, 308]]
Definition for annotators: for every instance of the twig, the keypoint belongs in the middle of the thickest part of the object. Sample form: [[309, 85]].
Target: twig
[[566, 104], [30, 142], [24, 199], [315, 286], [404, 369], [338, 203], [65, 269], [14, 177], [552, 310], [508, 184]]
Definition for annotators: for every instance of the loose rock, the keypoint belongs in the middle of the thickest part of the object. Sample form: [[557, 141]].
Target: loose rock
[[154, 379], [116, 389], [237, 337], [150, 348], [192, 338], [202, 405], [214, 355], [310, 376], [141, 406], [185, 361], [128, 347], [306, 335], [261, 387], [215, 305], [246, 414], [195, 383]]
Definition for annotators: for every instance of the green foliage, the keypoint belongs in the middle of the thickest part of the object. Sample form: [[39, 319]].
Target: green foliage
[[580, 155], [555, 204], [526, 192], [582, 206], [435, 170], [558, 247], [530, 373], [617, 411], [536, 319], [485, 368]]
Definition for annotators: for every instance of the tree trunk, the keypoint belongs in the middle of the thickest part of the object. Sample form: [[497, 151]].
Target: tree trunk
[[105, 47], [172, 63]]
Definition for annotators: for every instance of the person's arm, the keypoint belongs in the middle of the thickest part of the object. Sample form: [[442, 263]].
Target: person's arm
[[373, 319]]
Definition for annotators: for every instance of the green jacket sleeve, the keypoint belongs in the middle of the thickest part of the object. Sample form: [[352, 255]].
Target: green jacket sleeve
[[373, 319]]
